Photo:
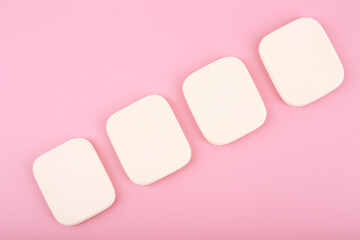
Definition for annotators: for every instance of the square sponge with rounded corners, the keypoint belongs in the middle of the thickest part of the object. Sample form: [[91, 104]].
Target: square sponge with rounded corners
[[73, 182], [301, 61], [224, 101], [148, 140]]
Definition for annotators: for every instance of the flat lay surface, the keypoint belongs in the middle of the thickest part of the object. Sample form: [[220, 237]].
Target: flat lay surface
[[67, 66]]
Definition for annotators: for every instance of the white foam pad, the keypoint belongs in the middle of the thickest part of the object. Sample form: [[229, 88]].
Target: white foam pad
[[224, 101], [73, 181], [301, 62], [148, 140]]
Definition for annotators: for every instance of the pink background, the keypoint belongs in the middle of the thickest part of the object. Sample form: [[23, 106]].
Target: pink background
[[66, 66]]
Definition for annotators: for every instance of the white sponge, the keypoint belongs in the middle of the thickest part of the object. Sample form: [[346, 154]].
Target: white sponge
[[148, 140], [301, 62], [73, 181], [224, 101]]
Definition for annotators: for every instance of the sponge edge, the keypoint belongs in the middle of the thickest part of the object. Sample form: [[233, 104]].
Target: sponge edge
[[73, 182], [301, 61], [224, 101], [148, 140]]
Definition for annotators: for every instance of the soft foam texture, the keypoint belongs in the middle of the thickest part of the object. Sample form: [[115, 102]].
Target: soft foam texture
[[301, 62], [224, 101], [148, 140], [73, 181]]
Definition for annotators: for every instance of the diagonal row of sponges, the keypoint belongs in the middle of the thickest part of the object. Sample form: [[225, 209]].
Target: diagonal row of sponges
[[224, 101]]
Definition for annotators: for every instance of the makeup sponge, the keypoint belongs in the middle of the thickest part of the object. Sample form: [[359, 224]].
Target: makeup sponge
[[224, 101], [301, 62], [148, 140], [73, 181]]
